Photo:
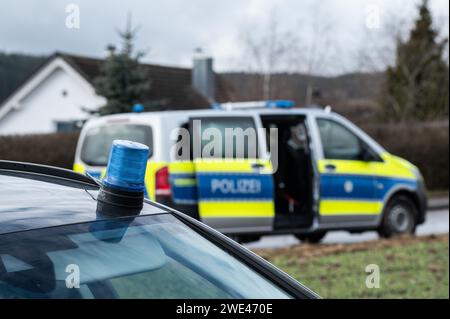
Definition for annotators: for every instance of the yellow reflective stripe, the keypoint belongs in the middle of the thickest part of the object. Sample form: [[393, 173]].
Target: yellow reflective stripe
[[345, 167], [344, 207], [152, 167], [103, 173], [181, 167], [391, 167], [236, 209], [79, 168], [231, 165], [184, 182]]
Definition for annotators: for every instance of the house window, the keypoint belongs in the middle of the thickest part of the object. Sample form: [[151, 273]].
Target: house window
[[68, 126]]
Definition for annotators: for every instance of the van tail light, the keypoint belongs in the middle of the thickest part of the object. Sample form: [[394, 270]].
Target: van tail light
[[162, 184]]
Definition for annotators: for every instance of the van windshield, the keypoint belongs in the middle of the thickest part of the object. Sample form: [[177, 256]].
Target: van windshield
[[97, 142]]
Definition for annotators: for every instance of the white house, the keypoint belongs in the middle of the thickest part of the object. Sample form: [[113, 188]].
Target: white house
[[55, 94], [61, 90]]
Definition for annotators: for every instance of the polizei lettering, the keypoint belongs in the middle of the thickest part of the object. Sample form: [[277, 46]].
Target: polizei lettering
[[239, 186]]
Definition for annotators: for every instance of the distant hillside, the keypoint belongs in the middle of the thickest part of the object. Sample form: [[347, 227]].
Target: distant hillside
[[354, 95], [14, 68]]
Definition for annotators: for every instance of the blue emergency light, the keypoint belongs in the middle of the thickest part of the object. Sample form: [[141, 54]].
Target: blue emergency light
[[126, 166], [282, 104], [138, 108], [122, 191]]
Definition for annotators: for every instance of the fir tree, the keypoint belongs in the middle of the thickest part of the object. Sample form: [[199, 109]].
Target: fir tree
[[416, 86], [123, 81]]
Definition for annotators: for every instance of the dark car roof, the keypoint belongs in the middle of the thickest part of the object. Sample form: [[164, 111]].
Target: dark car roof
[[31, 199]]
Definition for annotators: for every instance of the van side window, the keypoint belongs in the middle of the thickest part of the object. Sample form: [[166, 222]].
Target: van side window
[[97, 143], [228, 137], [338, 142]]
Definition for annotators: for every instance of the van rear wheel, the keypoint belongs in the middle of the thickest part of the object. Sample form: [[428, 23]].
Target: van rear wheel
[[399, 217], [313, 238]]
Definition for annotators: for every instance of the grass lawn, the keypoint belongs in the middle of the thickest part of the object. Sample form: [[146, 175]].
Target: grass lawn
[[410, 267]]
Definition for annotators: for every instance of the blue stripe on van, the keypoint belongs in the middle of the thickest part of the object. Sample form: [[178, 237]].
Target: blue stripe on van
[[183, 194], [390, 183], [332, 186]]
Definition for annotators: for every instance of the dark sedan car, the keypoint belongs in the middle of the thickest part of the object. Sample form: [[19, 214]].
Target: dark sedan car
[[55, 244]]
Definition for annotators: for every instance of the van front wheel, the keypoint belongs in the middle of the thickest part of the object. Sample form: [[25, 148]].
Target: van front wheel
[[399, 217], [313, 238]]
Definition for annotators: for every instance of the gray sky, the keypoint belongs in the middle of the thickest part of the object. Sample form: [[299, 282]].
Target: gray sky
[[171, 29]]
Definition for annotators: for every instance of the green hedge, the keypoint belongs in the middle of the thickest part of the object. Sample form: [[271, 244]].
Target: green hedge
[[425, 145]]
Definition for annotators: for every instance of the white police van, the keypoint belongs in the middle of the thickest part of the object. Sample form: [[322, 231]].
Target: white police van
[[302, 171]]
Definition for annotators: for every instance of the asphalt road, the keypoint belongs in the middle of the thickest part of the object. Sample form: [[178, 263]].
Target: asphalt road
[[436, 223]]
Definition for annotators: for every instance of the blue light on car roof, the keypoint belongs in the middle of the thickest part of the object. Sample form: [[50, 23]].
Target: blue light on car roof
[[126, 166]]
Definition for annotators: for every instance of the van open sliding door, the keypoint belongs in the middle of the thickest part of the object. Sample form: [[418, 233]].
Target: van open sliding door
[[234, 185]]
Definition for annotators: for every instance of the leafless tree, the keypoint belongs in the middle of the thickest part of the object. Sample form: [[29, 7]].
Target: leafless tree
[[306, 47], [317, 45], [266, 50]]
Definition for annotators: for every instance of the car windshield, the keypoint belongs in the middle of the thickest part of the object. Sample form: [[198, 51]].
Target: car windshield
[[97, 142], [155, 256]]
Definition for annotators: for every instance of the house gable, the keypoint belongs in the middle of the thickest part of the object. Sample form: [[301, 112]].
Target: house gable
[[56, 92], [13, 102]]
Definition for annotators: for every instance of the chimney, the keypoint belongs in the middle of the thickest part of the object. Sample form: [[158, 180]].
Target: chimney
[[203, 77]]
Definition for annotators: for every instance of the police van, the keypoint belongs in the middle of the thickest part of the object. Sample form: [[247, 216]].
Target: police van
[[303, 171]]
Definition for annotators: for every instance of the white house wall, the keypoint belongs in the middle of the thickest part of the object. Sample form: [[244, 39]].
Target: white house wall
[[46, 103]]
